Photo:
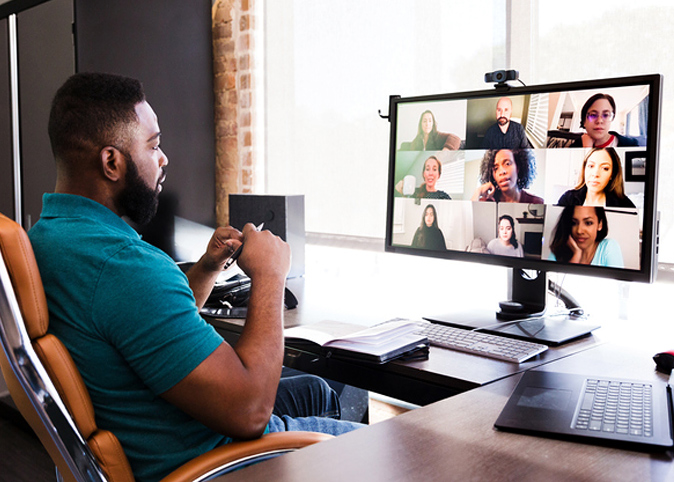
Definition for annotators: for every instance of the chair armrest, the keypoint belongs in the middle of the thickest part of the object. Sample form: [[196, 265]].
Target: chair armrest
[[228, 457]]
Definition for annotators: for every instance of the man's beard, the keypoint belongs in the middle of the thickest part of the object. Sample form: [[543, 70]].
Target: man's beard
[[138, 201], [502, 121]]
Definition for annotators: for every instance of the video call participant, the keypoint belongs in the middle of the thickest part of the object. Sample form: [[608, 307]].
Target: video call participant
[[504, 174], [429, 139], [428, 235], [505, 134], [160, 378], [431, 174], [506, 244], [601, 182], [596, 116], [580, 238]]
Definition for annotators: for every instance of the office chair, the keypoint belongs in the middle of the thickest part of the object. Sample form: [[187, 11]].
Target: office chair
[[49, 391]]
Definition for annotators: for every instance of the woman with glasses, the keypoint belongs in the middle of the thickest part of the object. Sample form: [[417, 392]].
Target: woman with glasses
[[601, 182], [596, 117]]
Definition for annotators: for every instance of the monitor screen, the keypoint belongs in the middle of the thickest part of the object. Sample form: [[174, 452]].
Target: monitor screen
[[557, 177]]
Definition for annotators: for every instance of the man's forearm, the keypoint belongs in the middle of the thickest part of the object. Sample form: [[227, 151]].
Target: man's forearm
[[262, 335], [202, 278]]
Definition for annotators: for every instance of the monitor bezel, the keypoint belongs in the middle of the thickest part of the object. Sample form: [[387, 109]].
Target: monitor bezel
[[649, 240]]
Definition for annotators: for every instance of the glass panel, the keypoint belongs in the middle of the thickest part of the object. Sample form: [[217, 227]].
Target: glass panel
[[330, 66]]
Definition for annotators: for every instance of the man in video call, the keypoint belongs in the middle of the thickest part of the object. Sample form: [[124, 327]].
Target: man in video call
[[505, 134], [160, 378]]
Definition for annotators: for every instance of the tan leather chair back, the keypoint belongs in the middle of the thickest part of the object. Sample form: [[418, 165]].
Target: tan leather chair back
[[43, 380], [26, 284]]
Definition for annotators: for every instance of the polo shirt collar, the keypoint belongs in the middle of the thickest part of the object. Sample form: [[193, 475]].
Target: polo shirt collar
[[58, 205]]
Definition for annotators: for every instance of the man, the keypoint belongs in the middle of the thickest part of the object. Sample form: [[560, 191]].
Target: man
[[505, 134], [160, 378]]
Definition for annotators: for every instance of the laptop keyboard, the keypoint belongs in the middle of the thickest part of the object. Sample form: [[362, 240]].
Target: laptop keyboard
[[479, 343], [616, 407]]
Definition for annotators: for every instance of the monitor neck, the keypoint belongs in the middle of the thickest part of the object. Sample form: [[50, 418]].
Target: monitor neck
[[527, 295], [527, 292]]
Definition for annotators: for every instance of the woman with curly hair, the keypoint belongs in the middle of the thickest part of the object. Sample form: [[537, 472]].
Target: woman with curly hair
[[504, 174]]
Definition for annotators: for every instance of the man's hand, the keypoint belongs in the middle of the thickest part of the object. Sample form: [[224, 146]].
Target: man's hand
[[234, 389], [264, 254], [223, 243], [203, 274]]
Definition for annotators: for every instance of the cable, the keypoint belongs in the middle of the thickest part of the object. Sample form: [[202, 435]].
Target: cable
[[565, 297]]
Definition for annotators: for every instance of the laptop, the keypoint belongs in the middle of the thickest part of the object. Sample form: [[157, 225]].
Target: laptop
[[629, 414]]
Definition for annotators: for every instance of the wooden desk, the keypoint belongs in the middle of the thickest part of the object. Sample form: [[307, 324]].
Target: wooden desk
[[454, 439], [444, 374]]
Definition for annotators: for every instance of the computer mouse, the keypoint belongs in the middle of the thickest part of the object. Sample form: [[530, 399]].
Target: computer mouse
[[664, 361]]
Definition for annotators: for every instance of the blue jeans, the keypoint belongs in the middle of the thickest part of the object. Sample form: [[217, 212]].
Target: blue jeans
[[307, 403]]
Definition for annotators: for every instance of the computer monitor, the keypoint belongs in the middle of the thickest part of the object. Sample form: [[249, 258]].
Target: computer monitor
[[559, 177]]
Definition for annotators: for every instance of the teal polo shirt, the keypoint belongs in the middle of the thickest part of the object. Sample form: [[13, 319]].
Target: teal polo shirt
[[127, 315]]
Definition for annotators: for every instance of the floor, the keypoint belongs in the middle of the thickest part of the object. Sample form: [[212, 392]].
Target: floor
[[379, 411], [23, 458]]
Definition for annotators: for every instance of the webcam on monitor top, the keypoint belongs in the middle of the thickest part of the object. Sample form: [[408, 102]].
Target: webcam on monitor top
[[500, 77]]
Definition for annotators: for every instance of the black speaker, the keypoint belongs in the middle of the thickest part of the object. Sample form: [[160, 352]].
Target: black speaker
[[282, 215]]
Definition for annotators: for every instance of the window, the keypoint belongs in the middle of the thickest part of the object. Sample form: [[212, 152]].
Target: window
[[537, 113], [330, 67]]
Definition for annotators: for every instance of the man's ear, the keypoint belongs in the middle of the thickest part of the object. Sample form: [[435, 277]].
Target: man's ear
[[113, 163]]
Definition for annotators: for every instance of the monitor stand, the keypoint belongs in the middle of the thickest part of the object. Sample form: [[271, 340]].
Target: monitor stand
[[523, 315]]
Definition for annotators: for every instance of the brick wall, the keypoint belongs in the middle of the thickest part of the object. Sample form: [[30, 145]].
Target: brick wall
[[233, 61]]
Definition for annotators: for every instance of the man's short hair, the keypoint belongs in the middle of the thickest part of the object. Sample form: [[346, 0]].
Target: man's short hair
[[91, 111]]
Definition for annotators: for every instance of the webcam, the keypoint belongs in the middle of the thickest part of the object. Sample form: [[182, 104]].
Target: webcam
[[501, 76]]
